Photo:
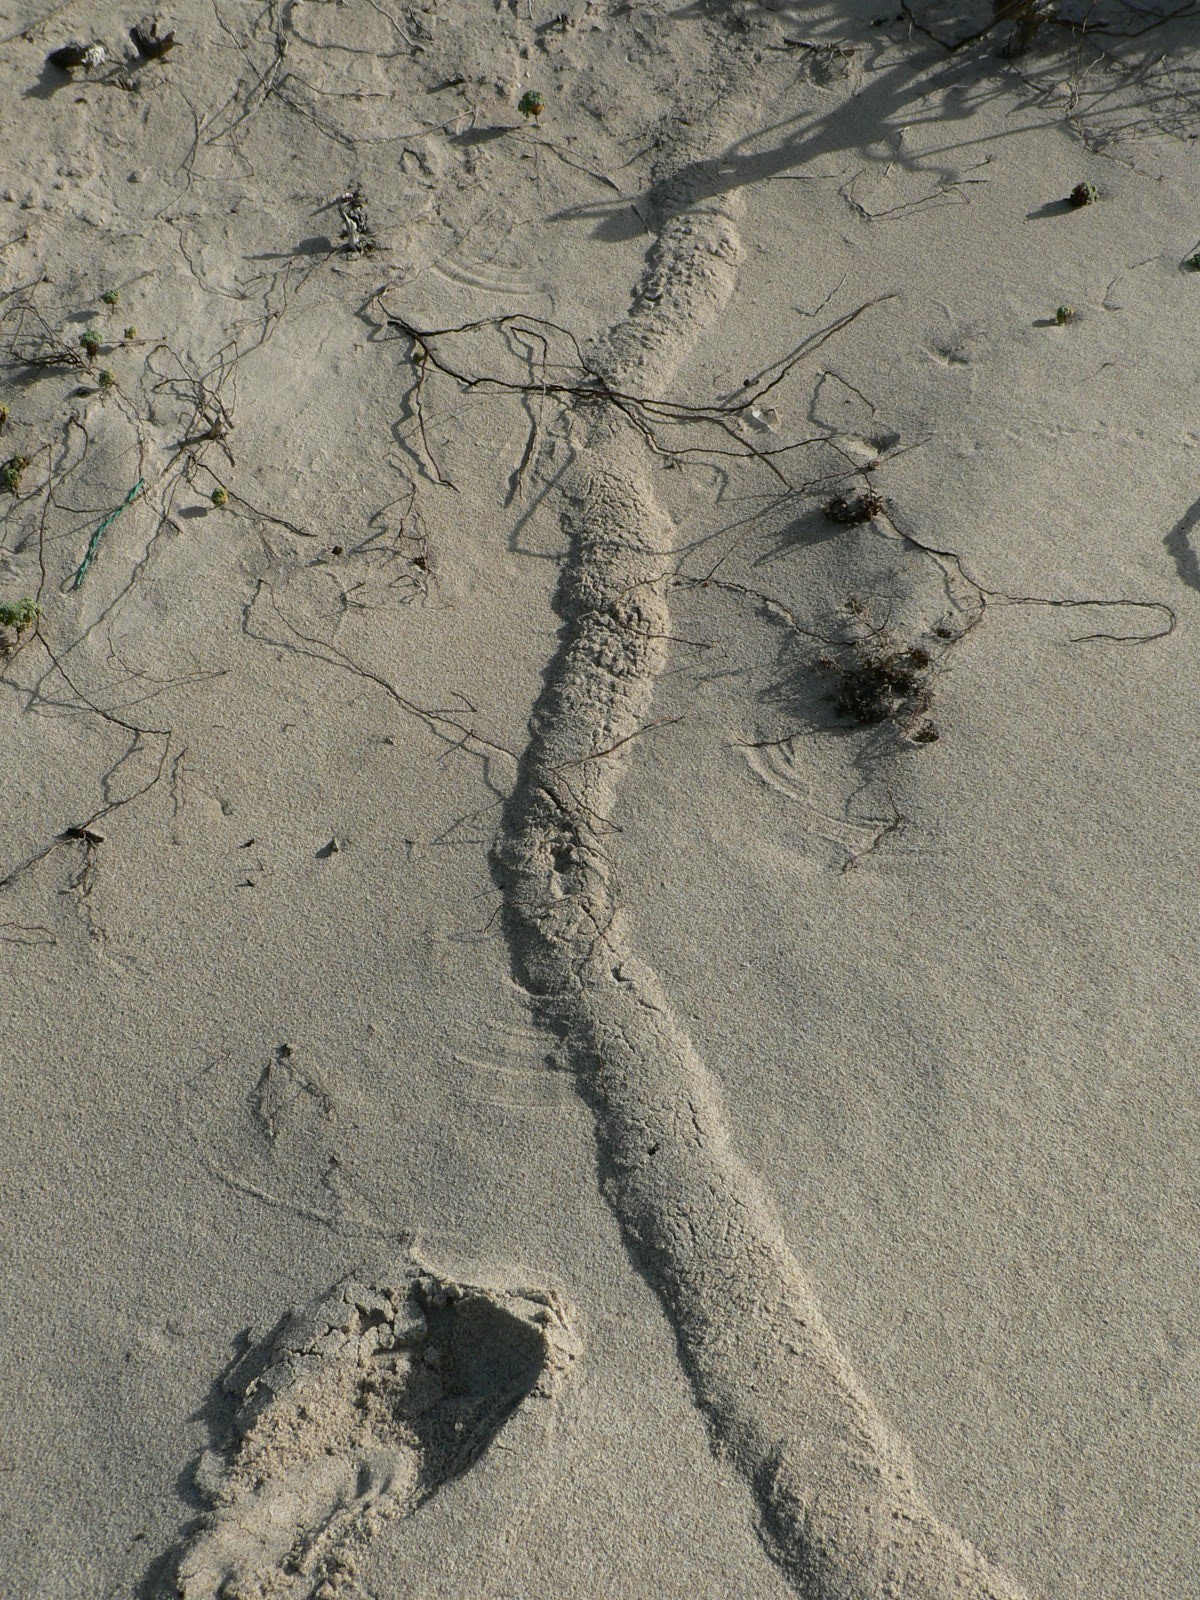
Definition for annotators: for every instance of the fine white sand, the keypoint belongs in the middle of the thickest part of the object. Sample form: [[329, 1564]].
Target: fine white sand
[[578, 1018]]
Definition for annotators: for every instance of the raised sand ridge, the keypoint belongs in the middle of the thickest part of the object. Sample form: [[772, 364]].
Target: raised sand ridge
[[839, 1508]]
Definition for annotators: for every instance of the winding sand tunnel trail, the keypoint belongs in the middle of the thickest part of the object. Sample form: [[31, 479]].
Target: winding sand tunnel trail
[[839, 1509]]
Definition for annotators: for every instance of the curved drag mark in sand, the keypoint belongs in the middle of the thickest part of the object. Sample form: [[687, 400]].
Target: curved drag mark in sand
[[361, 1408], [839, 1509]]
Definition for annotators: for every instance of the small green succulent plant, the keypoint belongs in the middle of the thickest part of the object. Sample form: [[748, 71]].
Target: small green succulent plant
[[531, 104], [10, 473], [18, 616]]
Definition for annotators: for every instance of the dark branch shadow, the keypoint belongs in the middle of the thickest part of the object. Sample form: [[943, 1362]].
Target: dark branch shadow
[[883, 102]]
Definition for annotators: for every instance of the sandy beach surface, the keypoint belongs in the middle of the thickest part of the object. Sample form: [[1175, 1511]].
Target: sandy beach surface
[[599, 705]]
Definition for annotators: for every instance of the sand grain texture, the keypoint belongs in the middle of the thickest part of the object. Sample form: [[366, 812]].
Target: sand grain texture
[[611, 709]]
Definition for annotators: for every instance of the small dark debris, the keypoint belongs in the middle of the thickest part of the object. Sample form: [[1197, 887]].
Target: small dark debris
[[69, 56], [246, 843], [89, 835], [355, 229], [150, 43], [859, 509], [926, 734], [1029, 16], [327, 850], [338, 550]]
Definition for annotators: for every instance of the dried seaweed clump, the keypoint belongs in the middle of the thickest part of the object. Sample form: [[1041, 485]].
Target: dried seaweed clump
[[877, 678], [860, 508]]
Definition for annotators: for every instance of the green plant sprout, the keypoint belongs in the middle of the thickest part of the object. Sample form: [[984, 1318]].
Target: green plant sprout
[[90, 343], [107, 379], [130, 333], [531, 104], [10, 473], [220, 497], [110, 297], [1193, 262], [1083, 194], [1064, 314], [19, 615]]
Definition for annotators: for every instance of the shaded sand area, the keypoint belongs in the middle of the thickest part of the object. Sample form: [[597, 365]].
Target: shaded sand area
[[596, 924]]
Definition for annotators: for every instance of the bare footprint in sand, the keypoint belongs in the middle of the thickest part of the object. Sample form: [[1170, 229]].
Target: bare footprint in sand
[[358, 1410]]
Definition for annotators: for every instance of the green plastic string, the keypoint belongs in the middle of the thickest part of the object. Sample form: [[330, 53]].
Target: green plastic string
[[81, 570]]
